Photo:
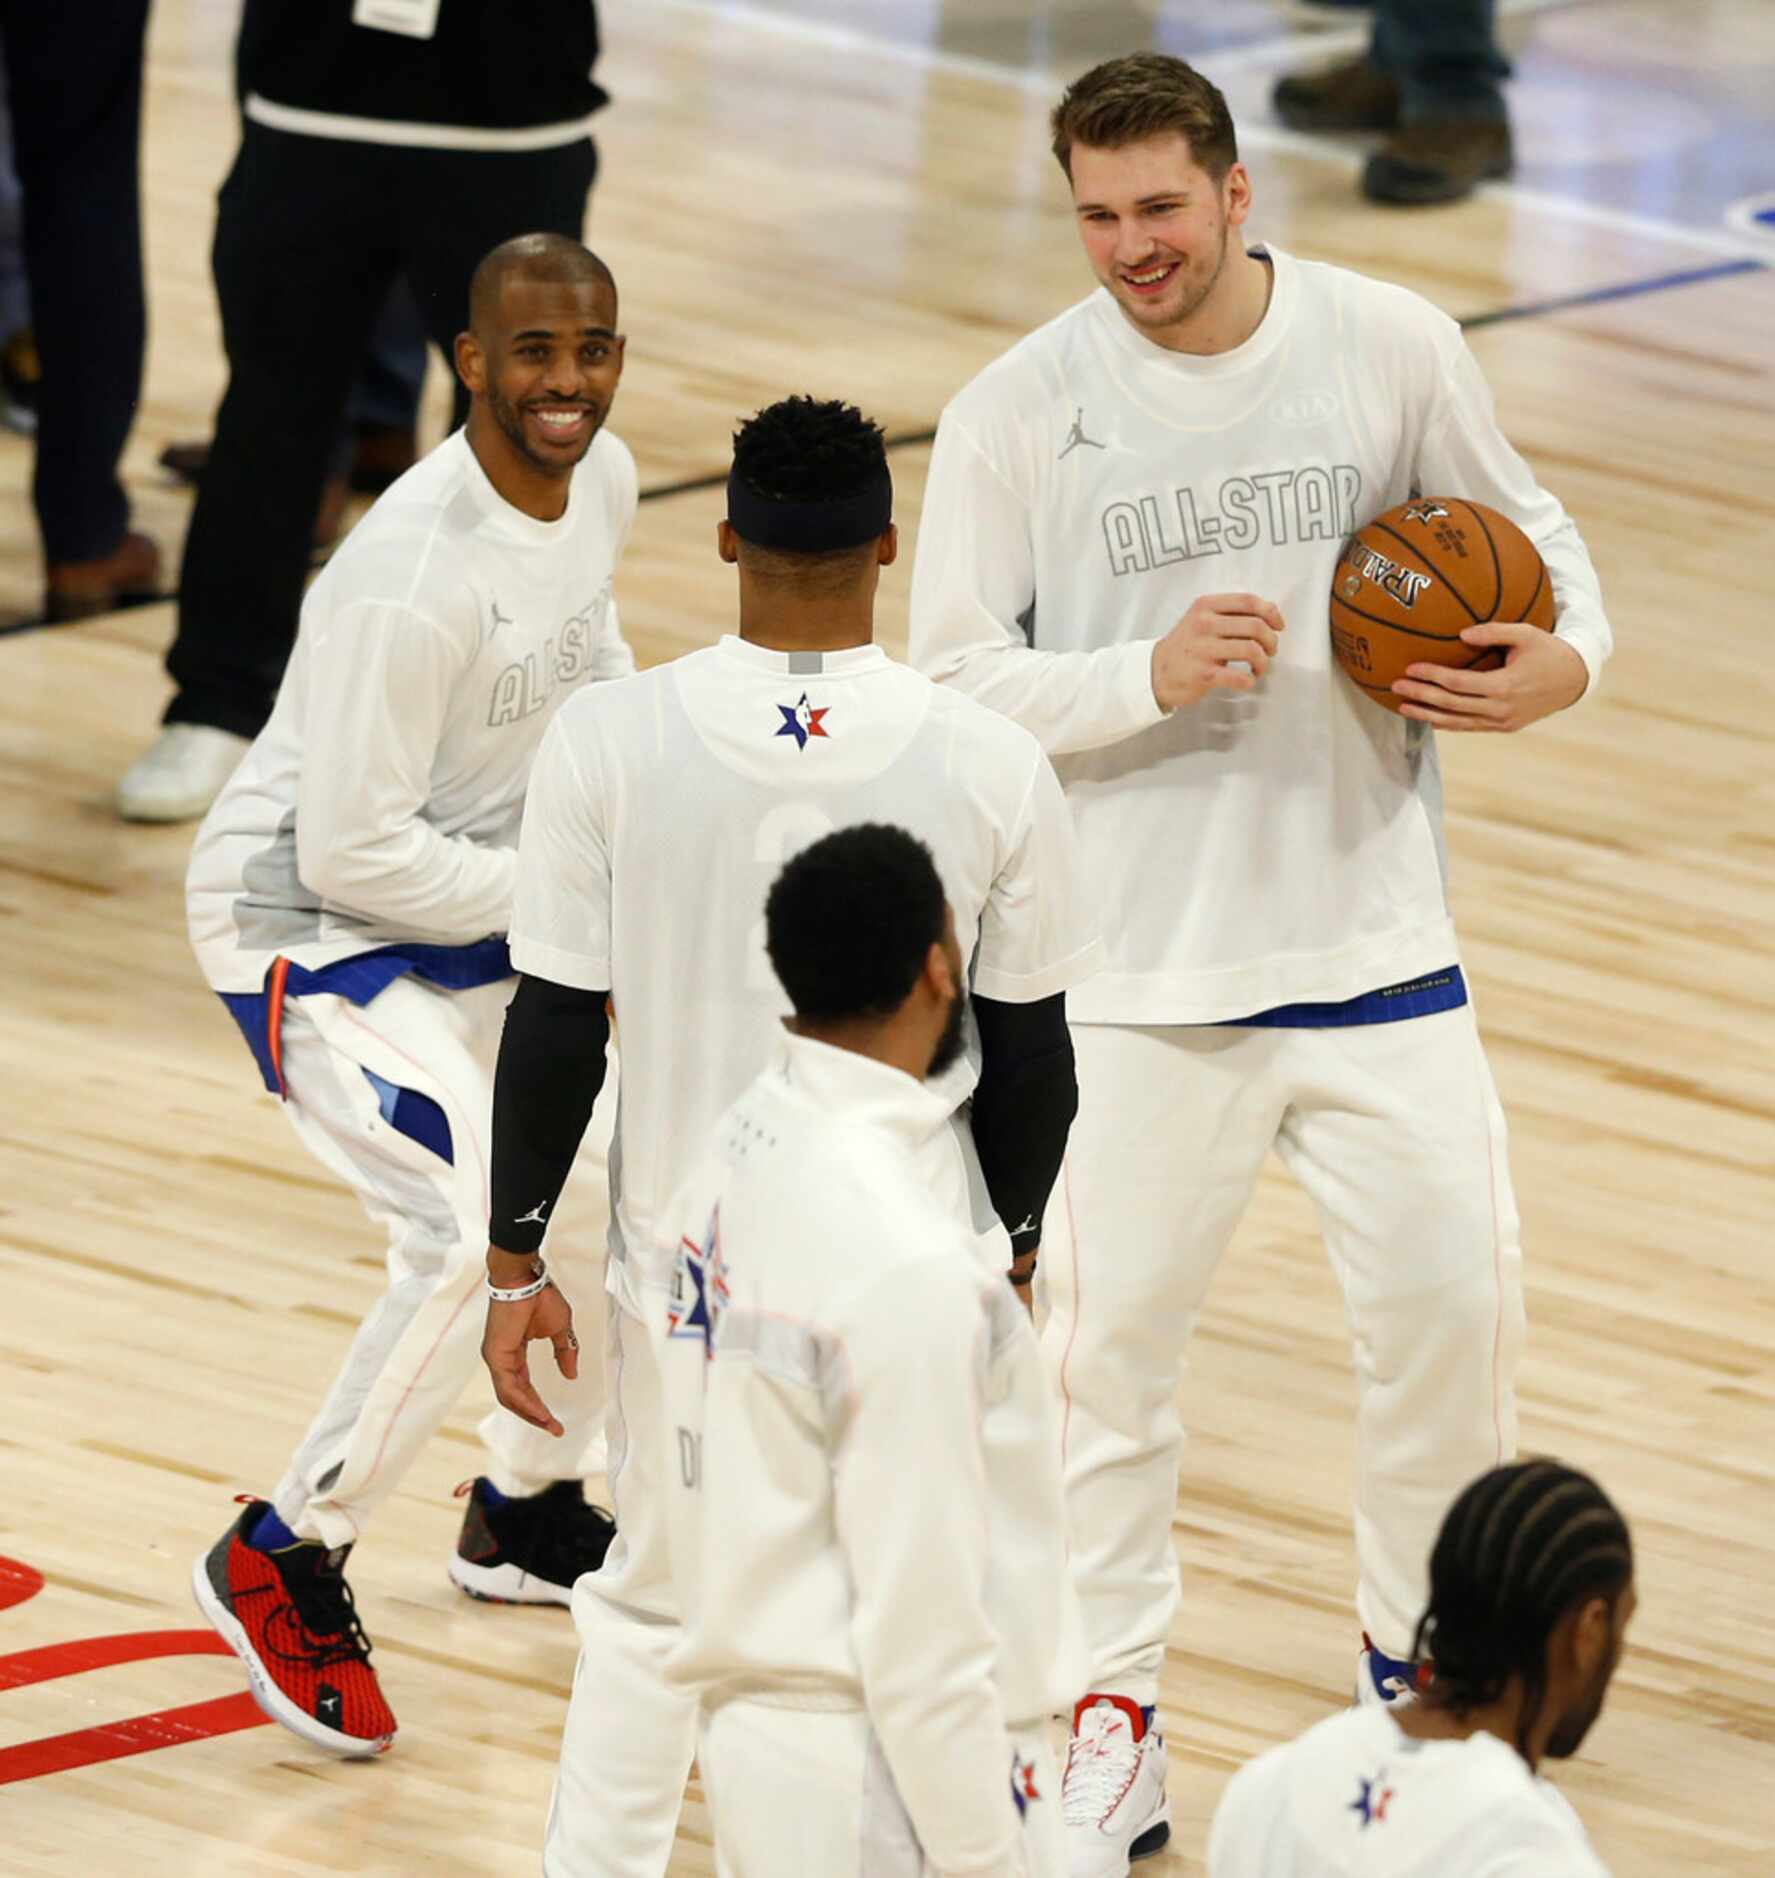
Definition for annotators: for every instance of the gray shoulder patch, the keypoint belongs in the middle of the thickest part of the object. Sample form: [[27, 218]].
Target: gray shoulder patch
[[275, 911]]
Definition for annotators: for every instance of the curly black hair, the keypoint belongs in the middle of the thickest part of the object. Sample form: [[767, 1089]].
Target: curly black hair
[[850, 921], [808, 450]]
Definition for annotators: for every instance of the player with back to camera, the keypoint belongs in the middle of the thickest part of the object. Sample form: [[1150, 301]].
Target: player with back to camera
[[1531, 1593], [862, 1459], [659, 812], [1129, 537], [348, 896]]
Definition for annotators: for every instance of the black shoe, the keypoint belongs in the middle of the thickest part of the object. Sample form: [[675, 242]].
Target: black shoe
[[529, 1551], [1353, 95], [1438, 162]]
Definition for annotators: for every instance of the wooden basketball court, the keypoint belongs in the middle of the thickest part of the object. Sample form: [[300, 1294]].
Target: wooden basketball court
[[858, 201]]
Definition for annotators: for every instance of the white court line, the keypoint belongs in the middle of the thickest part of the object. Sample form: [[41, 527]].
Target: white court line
[[1261, 136]]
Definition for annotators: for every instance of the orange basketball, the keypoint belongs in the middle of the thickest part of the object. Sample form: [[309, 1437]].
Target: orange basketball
[[1409, 582]]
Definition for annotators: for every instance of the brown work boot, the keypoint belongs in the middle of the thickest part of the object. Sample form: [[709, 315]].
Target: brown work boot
[[81, 589], [1353, 95], [186, 460], [329, 518], [382, 452], [1438, 162]]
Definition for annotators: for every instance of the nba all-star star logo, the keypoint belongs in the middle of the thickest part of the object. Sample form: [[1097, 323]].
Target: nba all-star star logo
[[699, 1289], [1372, 1801], [801, 721]]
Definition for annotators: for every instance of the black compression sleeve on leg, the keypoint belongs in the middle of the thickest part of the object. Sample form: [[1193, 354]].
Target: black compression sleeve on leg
[[1023, 1109], [551, 1067]]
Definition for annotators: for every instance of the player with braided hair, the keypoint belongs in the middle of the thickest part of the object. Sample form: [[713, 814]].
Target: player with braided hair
[[1531, 1592]]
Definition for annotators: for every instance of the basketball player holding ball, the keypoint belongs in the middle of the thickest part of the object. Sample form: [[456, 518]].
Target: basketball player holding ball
[[1130, 534]]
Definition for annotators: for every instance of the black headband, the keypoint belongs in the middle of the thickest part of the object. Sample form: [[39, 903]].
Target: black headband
[[811, 527]]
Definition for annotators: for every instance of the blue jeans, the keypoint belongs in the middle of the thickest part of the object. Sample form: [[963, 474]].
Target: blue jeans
[[393, 372], [74, 91], [15, 292], [1446, 57]]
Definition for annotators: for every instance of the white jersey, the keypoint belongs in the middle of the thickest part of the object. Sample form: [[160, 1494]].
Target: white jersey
[[862, 1450], [660, 812], [380, 804], [1355, 1795], [1255, 849]]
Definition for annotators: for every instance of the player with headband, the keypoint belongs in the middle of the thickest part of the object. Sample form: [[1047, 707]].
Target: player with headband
[[659, 813]]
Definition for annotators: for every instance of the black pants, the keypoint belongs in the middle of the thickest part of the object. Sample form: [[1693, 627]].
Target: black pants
[[74, 82], [310, 233]]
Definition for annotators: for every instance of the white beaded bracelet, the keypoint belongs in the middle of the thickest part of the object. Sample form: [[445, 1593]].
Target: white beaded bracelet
[[517, 1296]]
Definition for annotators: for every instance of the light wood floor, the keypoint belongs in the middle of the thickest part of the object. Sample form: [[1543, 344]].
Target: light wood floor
[[787, 211]]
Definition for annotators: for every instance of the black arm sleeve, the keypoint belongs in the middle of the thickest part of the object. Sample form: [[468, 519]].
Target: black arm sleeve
[[1023, 1108], [551, 1067]]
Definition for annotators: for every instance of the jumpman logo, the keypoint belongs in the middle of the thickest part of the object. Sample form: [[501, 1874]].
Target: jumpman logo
[[534, 1217], [1076, 435], [1030, 1223]]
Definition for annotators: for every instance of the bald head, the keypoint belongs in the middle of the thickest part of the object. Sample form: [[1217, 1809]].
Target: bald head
[[547, 260], [541, 360]]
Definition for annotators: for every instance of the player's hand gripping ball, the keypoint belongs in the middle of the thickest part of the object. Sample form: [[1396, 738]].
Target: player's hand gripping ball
[[1415, 578]]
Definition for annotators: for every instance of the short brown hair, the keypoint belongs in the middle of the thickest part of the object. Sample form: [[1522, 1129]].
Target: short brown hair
[[1146, 94]]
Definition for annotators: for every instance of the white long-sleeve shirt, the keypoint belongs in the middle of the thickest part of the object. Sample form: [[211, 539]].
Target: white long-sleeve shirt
[[861, 1449], [1252, 850], [1355, 1797], [662, 808], [381, 803]]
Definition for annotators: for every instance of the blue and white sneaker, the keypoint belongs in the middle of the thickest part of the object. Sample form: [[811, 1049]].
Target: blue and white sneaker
[[1383, 1680]]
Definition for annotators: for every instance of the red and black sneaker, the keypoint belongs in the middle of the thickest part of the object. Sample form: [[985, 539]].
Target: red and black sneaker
[[288, 1616], [528, 1550]]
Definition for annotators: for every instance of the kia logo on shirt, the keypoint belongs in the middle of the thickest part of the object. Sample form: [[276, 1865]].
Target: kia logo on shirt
[[1304, 409]]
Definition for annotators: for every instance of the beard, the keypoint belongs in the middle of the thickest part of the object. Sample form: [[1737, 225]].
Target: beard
[[949, 1045], [510, 420], [1571, 1728]]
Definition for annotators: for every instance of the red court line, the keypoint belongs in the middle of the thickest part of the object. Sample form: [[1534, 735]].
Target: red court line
[[141, 1734], [18, 1582], [24, 1667]]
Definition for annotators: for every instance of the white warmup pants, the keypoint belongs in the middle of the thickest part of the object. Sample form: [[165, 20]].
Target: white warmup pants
[[1395, 1132], [630, 1735], [804, 1791], [421, 1343]]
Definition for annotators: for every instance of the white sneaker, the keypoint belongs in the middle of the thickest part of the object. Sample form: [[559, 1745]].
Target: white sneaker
[[1112, 1797], [180, 774], [1384, 1681]]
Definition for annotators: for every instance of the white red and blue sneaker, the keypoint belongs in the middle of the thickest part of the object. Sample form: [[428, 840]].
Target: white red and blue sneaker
[[1112, 1795], [1383, 1680], [528, 1550]]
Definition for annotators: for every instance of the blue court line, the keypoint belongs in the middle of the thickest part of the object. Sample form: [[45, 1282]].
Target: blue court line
[[1528, 310], [1624, 290]]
